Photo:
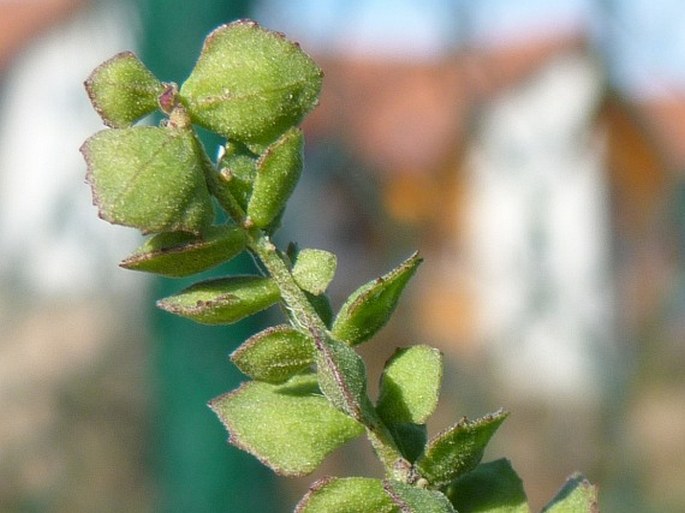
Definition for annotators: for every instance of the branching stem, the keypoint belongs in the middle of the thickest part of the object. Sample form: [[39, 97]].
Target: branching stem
[[303, 313]]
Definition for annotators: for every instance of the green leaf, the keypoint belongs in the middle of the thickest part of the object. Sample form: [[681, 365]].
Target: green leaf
[[410, 499], [492, 487], [122, 90], [322, 305], [410, 385], [314, 270], [576, 496], [346, 495], [238, 169], [410, 439], [342, 377], [223, 300], [369, 308], [148, 178], [275, 354], [290, 428], [178, 254], [278, 170], [251, 84], [458, 449]]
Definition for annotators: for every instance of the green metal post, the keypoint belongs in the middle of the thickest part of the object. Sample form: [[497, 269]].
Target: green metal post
[[196, 470]]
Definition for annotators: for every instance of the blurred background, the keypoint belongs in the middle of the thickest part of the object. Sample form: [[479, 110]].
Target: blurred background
[[533, 151]]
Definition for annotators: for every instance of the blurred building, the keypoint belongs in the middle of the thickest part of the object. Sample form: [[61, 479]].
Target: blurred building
[[73, 428], [532, 152]]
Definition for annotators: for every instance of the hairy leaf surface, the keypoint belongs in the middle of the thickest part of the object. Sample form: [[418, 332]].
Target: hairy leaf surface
[[238, 168], [122, 90], [275, 354], [346, 495], [148, 178], [251, 84], [458, 449], [278, 170], [290, 427], [177, 254], [342, 377], [369, 308], [410, 499], [410, 385], [314, 270], [223, 300], [576, 496]]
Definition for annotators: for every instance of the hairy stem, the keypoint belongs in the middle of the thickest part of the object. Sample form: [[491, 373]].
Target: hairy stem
[[303, 314]]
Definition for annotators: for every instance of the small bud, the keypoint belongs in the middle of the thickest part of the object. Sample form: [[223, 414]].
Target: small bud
[[278, 171], [226, 175], [179, 118], [458, 449], [169, 98], [368, 308], [238, 169]]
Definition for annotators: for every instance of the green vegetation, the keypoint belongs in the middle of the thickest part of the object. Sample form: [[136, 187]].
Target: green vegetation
[[308, 390]]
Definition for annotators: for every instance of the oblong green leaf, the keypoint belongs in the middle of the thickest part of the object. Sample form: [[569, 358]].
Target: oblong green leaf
[[278, 170], [458, 449], [122, 90], [275, 354], [238, 170], [314, 270], [290, 428], [250, 84], [177, 254], [410, 499], [410, 385], [346, 495], [577, 495], [492, 487], [223, 300], [342, 377], [148, 178], [368, 309]]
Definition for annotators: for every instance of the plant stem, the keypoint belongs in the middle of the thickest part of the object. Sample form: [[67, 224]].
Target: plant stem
[[303, 315], [397, 467], [297, 303]]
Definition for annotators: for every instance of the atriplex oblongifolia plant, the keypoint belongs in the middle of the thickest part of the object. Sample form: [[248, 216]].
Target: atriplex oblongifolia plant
[[308, 393]]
